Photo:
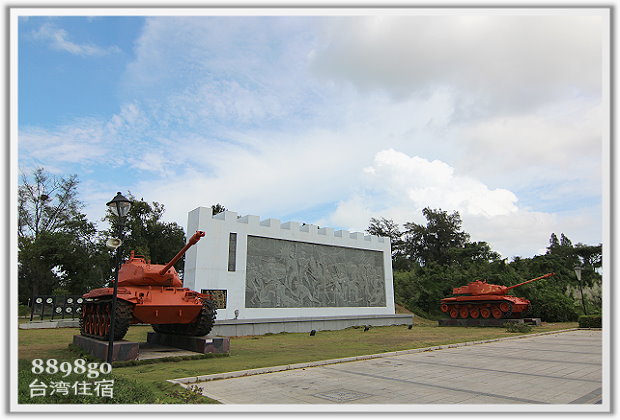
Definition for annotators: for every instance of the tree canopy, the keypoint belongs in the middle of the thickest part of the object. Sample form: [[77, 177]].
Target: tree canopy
[[61, 252], [58, 248]]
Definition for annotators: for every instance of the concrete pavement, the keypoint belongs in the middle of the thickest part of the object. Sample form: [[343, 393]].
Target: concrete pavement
[[563, 368]]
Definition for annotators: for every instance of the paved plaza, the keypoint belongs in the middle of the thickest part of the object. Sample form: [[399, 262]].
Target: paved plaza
[[562, 368]]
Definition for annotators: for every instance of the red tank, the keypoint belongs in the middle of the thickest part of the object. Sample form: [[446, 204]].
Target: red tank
[[148, 294], [482, 300]]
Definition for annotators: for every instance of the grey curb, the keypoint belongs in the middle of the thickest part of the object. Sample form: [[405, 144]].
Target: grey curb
[[272, 369]]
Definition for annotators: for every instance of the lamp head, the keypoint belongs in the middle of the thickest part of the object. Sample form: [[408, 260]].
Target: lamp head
[[578, 270], [119, 205]]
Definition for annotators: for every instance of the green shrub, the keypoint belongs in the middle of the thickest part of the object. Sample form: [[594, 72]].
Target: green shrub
[[554, 307], [23, 310], [517, 327], [590, 321]]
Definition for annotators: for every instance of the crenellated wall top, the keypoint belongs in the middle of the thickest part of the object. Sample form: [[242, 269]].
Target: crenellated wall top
[[255, 224]]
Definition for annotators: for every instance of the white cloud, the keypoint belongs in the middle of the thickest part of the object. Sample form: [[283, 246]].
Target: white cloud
[[539, 139], [423, 183], [398, 187], [526, 233], [83, 141], [496, 62], [222, 71], [559, 146], [402, 186], [58, 39]]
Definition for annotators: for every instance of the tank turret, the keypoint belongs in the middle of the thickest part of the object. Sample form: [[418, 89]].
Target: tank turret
[[481, 287], [149, 294], [481, 299], [136, 271]]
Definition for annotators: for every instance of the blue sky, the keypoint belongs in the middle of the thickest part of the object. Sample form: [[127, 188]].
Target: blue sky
[[328, 119]]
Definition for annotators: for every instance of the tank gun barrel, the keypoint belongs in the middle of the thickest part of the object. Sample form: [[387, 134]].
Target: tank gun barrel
[[529, 281], [192, 241]]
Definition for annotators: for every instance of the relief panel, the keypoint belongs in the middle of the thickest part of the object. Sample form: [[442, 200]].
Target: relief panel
[[290, 274]]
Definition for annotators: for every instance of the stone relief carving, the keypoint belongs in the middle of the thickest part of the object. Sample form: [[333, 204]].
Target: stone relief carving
[[288, 274]]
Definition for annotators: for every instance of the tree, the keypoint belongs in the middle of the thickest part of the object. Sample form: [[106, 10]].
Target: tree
[[553, 242], [590, 255], [562, 246], [433, 241], [388, 228], [218, 208], [57, 245], [146, 233], [384, 227], [564, 241], [473, 252], [47, 204]]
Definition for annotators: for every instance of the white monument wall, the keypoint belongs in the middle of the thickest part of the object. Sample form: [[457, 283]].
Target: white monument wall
[[207, 265]]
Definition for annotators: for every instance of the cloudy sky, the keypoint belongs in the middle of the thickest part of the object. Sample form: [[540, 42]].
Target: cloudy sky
[[330, 118]]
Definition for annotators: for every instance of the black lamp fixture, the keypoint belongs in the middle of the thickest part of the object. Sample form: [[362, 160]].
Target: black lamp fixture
[[119, 206]]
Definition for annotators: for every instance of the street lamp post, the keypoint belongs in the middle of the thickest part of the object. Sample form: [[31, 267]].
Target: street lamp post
[[578, 270], [119, 206]]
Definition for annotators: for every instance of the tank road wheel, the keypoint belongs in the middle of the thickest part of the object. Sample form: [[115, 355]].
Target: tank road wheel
[[464, 312], [474, 312], [100, 327], [96, 312], [496, 312], [98, 321], [95, 319], [485, 313], [453, 312], [506, 308], [444, 308]]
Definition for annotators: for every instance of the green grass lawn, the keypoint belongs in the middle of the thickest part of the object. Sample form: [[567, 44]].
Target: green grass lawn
[[262, 351]]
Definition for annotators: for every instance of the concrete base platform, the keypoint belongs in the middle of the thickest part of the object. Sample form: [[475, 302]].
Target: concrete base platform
[[155, 351], [121, 351], [60, 323], [241, 327], [195, 344], [481, 322], [157, 347], [532, 321]]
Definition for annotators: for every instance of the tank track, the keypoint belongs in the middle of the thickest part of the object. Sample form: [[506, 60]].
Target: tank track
[[95, 319], [202, 325], [478, 309]]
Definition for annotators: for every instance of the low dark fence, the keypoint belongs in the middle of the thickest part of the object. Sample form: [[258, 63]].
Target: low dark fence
[[56, 307]]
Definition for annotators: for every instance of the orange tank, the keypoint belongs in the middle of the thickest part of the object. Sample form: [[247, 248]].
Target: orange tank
[[482, 300], [148, 294]]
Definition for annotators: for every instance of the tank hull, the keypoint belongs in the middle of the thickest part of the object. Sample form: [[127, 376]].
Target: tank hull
[[177, 308], [485, 306]]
